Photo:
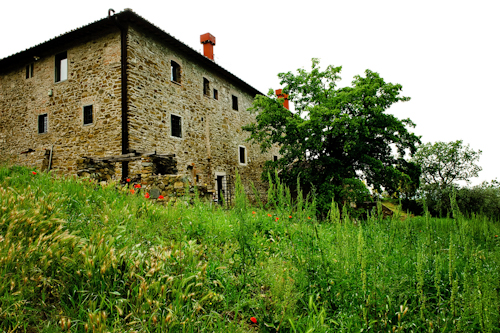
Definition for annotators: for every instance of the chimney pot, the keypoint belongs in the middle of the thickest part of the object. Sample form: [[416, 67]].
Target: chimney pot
[[208, 41], [280, 94]]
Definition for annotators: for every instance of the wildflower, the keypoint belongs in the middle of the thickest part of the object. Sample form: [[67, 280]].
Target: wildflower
[[253, 320], [161, 197], [146, 196], [128, 180], [277, 218], [33, 172], [496, 235], [290, 216], [269, 215], [253, 213], [308, 218], [132, 191]]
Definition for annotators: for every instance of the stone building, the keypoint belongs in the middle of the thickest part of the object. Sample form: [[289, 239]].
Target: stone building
[[118, 90]]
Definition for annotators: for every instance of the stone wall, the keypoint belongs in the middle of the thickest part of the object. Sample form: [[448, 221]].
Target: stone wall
[[211, 129], [211, 135], [93, 78]]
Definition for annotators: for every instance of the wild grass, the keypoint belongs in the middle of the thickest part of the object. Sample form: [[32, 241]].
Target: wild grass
[[83, 257]]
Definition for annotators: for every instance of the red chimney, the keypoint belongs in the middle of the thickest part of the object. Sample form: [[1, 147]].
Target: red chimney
[[208, 42], [280, 94]]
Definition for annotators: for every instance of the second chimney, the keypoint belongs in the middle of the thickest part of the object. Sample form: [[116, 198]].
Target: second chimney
[[280, 94], [208, 42]]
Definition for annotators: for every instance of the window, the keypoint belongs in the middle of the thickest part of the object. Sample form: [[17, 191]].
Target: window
[[206, 87], [61, 66], [175, 72], [235, 103], [43, 124], [242, 155], [275, 158], [216, 94], [29, 70], [87, 115], [176, 126]]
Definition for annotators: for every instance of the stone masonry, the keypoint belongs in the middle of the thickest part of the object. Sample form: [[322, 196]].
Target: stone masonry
[[206, 104]]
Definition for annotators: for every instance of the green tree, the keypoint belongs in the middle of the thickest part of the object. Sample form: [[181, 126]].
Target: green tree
[[444, 163], [337, 137]]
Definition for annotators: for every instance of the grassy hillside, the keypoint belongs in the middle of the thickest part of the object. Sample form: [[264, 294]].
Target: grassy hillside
[[81, 257]]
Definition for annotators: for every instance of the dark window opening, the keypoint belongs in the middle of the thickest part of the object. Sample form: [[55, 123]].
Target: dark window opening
[[206, 87], [87, 115], [275, 158], [61, 66], [176, 126], [29, 70], [242, 155], [42, 123], [235, 103], [216, 94], [175, 72], [197, 178]]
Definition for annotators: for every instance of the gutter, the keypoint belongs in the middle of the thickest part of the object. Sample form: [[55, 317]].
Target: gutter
[[124, 91]]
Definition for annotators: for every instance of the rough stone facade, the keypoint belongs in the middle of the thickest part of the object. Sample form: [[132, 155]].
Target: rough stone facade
[[208, 145], [93, 79]]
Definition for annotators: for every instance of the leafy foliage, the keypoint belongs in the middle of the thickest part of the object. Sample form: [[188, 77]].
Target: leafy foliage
[[443, 163], [337, 137], [483, 199]]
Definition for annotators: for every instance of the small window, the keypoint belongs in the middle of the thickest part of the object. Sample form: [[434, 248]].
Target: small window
[[275, 158], [88, 117], [29, 71], [206, 87], [176, 126], [216, 94], [175, 72], [242, 155], [43, 123], [61, 66], [235, 103]]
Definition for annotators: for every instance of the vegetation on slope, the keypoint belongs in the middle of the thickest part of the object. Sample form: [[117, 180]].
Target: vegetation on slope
[[77, 256]]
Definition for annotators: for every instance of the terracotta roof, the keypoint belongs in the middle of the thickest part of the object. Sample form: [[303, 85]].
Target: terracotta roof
[[58, 44]]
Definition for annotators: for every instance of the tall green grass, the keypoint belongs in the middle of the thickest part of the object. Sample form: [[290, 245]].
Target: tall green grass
[[84, 257]]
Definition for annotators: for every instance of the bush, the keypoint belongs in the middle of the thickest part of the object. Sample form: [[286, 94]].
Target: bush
[[483, 199]]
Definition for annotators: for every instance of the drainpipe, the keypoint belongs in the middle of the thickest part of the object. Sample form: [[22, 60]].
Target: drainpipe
[[124, 81]]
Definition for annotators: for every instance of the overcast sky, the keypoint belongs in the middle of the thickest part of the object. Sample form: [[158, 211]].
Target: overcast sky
[[446, 54]]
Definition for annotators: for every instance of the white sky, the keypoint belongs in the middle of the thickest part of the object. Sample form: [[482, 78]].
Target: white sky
[[445, 53]]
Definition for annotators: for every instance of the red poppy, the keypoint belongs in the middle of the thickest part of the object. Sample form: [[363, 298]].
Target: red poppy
[[146, 196], [269, 215], [277, 218], [132, 191], [128, 180], [137, 185], [253, 213], [308, 218], [496, 235], [290, 216], [33, 172], [161, 197], [253, 320]]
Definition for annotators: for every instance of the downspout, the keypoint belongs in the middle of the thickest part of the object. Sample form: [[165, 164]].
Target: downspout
[[124, 91]]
